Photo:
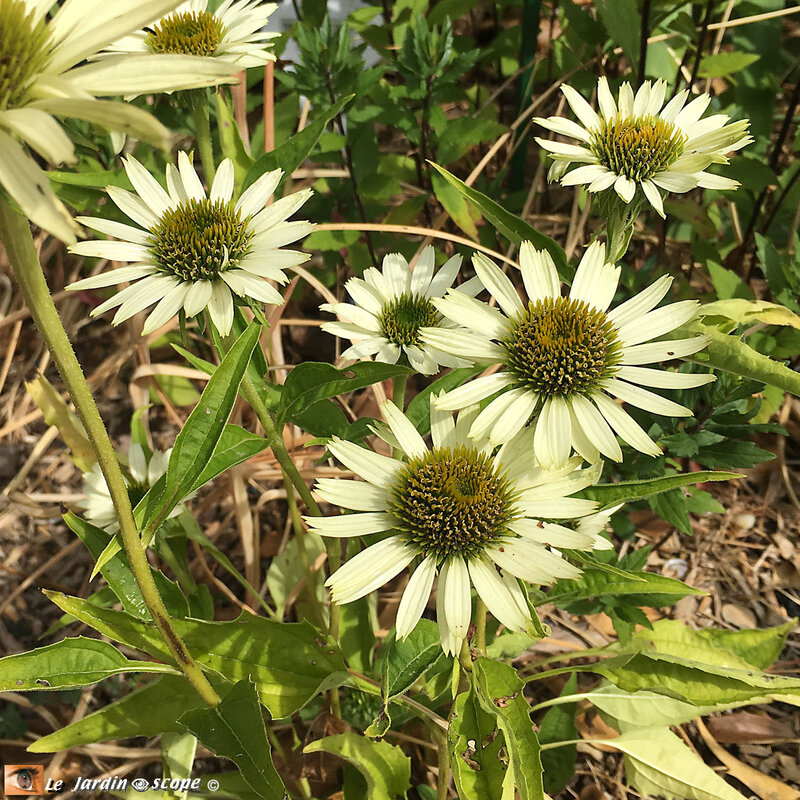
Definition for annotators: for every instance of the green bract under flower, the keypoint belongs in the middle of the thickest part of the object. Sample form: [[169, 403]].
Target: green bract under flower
[[200, 239], [637, 148], [195, 33], [403, 316], [23, 51], [560, 346], [451, 502]]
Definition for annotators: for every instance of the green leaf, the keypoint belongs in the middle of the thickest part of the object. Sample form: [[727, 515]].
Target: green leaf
[[148, 711], [658, 763], [235, 730], [499, 690], [419, 409], [731, 354], [195, 444], [386, 769], [117, 625], [641, 588], [67, 664], [292, 153], [749, 311], [357, 633], [454, 204], [558, 725], [312, 381], [475, 746], [406, 661], [513, 228], [671, 506], [230, 140], [612, 494], [759, 647], [286, 571], [235, 446], [623, 23], [290, 663], [720, 65], [178, 751]]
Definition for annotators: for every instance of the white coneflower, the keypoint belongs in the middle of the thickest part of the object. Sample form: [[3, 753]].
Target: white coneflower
[[43, 75], [98, 508], [477, 518], [391, 305], [565, 358], [232, 33], [638, 142], [193, 251]]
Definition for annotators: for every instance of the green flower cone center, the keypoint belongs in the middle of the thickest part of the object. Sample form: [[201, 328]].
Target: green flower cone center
[[194, 33], [450, 502], [403, 316], [199, 239], [24, 52], [561, 347], [638, 147]]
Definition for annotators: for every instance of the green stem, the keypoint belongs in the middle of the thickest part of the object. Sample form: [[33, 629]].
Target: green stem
[[480, 626], [443, 762], [202, 126], [16, 235]]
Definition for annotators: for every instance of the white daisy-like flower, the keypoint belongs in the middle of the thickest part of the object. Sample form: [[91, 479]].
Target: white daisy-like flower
[[391, 305], [475, 517], [193, 251], [638, 142], [98, 508], [565, 358], [43, 75], [233, 33]]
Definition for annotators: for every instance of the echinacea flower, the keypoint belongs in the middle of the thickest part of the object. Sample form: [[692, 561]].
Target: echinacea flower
[[233, 33], [98, 507], [193, 251], [565, 358], [43, 76], [475, 517], [391, 305], [639, 143]]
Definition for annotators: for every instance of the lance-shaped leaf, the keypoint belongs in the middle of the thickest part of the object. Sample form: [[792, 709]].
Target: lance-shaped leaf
[[235, 730], [67, 664], [513, 228], [292, 153], [386, 769], [198, 438], [612, 494], [148, 711], [499, 691], [659, 764]]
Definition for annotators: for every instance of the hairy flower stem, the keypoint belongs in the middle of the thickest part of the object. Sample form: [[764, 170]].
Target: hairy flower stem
[[16, 235], [202, 125]]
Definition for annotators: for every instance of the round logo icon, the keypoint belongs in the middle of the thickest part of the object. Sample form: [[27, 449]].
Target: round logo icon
[[213, 785], [140, 784]]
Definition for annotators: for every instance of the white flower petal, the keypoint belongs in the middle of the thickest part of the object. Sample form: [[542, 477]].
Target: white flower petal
[[653, 196], [423, 272], [538, 273], [407, 435], [415, 597], [220, 307], [222, 187], [625, 426], [377, 469], [641, 303], [354, 495], [455, 585], [348, 525], [498, 284], [657, 323], [662, 351], [664, 379], [595, 280], [169, 305], [642, 398], [583, 111], [553, 433], [255, 197], [594, 427], [494, 592], [147, 187]]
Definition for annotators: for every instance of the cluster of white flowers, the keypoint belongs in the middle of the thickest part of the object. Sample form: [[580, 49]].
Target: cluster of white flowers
[[490, 503]]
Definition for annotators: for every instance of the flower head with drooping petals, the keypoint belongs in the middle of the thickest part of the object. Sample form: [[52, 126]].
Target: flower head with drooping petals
[[477, 517], [563, 359], [638, 143], [43, 75], [390, 306], [194, 251], [233, 33]]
